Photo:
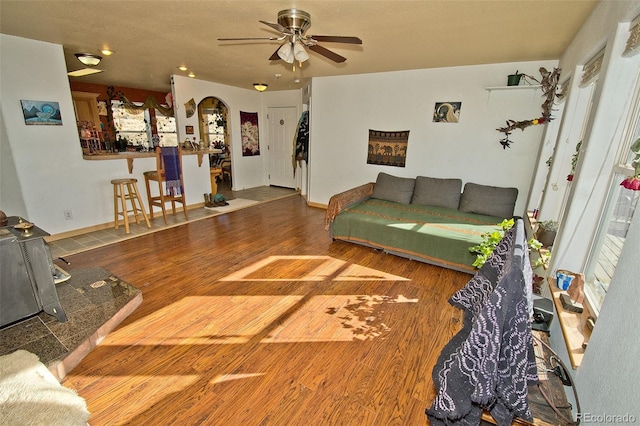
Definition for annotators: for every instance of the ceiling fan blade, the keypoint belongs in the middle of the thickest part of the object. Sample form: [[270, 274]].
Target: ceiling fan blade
[[338, 39], [251, 38], [327, 53], [278, 27], [275, 56]]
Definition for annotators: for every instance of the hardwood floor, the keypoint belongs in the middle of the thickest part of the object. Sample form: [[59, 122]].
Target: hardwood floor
[[257, 318]]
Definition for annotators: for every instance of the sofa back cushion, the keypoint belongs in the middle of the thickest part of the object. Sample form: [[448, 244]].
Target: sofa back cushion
[[437, 192], [488, 200], [393, 188]]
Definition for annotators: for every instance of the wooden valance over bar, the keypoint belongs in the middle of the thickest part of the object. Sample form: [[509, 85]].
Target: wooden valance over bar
[[131, 155]]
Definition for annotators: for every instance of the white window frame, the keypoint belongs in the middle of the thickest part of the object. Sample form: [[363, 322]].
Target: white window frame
[[619, 171]]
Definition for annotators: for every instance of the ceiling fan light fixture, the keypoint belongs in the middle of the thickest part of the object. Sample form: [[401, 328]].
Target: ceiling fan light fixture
[[89, 59], [260, 87], [299, 52], [286, 53]]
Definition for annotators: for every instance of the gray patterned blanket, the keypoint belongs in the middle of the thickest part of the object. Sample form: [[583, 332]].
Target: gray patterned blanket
[[490, 363]]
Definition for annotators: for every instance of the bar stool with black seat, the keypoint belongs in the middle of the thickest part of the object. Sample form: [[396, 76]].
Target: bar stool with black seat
[[168, 171], [127, 190]]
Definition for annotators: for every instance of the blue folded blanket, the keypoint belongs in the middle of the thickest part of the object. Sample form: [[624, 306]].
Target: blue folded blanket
[[171, 163]]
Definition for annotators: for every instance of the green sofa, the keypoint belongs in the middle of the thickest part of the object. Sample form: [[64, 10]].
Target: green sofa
[[426, 219]]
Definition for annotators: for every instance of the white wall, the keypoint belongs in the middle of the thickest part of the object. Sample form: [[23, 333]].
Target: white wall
[[607, 380], [48, 164], [10, 189], [42, 170], [344, 108], [248, 172]]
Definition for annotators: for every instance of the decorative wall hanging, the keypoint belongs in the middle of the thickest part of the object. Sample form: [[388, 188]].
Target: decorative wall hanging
[[189, 130], [150, 102], [549, 83], [190, 107], [249, 133], [301, 140], [447, 112], [41, 113], [388, 148]]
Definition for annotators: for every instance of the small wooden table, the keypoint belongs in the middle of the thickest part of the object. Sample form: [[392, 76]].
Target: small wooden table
[[215, 172]]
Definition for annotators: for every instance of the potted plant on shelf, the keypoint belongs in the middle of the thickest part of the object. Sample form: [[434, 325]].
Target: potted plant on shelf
[[546, 232], [514, 79]]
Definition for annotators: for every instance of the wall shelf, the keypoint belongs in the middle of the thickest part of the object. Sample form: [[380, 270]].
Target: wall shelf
[[527, 86]]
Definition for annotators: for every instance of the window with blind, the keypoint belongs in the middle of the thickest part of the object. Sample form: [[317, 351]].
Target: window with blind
[[166, 127], [130, 124]]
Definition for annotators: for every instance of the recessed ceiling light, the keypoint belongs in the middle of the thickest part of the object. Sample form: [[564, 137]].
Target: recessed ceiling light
[[107, 52], [182, 68], [191, 74], [83, 71], [260, 87]]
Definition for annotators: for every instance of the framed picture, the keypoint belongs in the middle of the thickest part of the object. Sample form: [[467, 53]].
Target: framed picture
[[189, 130], [41, 113], [102, 108], [447, 112]]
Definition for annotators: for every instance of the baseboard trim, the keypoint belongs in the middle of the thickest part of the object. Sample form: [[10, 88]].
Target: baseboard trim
[[109, 225], [318, 205]]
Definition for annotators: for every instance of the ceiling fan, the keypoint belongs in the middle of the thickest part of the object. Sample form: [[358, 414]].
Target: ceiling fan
[[292, 24]]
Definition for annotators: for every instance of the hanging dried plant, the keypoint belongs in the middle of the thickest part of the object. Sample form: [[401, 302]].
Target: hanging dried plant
[[549, 85]]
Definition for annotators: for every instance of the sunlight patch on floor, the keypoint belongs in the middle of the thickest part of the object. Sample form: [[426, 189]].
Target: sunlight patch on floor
[[308, 268], [230, 377], [198, 320], [337, 318], [236, 319], [143, 390]]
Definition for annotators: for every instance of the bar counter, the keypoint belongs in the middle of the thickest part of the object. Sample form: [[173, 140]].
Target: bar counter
[[131, 155]]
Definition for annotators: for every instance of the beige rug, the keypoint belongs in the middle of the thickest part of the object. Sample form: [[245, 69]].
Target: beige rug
[[31, 395], [235, 204]]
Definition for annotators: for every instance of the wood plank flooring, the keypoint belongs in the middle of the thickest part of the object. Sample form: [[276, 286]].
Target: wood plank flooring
[[257, 318]]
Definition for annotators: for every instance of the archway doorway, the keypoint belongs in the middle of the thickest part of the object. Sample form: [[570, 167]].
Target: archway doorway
[[214, 132]]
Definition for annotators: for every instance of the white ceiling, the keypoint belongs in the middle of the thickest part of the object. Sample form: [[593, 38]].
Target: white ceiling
[[152, 38]]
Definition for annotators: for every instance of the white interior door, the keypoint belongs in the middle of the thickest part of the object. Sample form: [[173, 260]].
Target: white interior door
[[283, 122]]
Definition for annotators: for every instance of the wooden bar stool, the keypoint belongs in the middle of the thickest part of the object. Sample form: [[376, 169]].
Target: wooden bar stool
[[123, 190], [168, 173]]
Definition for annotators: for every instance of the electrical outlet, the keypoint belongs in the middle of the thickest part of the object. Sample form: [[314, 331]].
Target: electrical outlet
[[68, 215]]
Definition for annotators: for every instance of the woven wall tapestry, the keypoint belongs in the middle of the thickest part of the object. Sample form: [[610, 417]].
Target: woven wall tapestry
[[249, 132], [388, 148]]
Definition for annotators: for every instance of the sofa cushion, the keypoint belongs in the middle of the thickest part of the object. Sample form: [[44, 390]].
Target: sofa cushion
[[488, 200], [437, 192], [393, 188]]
